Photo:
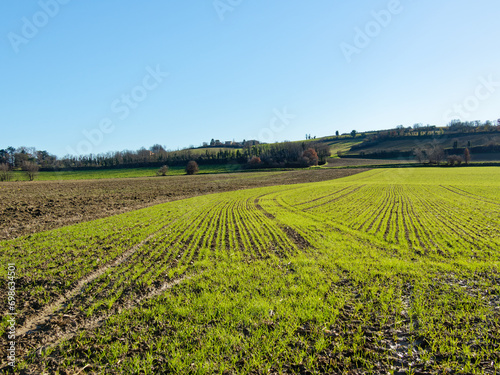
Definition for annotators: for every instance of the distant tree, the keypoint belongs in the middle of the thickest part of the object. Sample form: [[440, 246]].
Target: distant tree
[[5, 173], [418, 128], [11, 155], [353, 133], [254, 161], [310, 156], [455, 144], [3, 156], [467, 155], [192, 167], [435, 154], [44, 159], [30, 169], [157, 148], [419, 155], [162, 171], [455, 160], [21, 156], [438, 155], [337, 133]]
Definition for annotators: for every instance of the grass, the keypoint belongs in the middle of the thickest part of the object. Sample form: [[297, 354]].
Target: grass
[[136, 172], [123, 173], [385, 271], [342, 145]]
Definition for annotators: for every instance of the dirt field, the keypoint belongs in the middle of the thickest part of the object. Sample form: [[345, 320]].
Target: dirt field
[[31, 207]]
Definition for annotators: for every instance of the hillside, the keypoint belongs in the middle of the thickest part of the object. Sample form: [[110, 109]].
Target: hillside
[[482, 141], [406, 145]]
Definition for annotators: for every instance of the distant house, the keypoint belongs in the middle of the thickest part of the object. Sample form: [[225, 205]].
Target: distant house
[[251, 142], [234, 144]]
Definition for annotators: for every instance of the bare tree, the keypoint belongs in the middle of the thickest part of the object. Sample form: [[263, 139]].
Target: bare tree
[[435, 154], [455, 159], [419, 155], [162, 171], [192, 167], [5, 173], [30, 169]]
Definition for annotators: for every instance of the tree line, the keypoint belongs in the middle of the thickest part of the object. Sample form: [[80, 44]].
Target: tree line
[[286, 154]]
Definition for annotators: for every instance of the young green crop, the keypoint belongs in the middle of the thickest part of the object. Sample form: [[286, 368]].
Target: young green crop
[[385, 271]]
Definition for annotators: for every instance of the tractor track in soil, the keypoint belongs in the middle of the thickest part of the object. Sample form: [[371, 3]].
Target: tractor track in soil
[[61, 330]]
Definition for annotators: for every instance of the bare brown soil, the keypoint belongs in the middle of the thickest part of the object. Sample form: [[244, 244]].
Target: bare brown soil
[[31, 207]]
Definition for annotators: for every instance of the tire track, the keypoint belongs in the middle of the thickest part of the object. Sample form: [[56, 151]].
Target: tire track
[[466, 194], [45, 343], [323, 197], [48, 311], [336, 199], [291, 233]]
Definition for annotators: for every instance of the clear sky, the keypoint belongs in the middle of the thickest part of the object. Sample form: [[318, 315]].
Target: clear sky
[[130, 74]]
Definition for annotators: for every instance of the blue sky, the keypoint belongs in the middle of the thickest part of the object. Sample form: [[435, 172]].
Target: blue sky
[[80, 77]]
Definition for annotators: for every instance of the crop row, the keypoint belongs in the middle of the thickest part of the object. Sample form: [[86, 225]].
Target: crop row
[[170, 244], [419, 218], [225, 229]]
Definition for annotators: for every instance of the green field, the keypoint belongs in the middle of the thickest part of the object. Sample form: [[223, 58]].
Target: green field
[[122, 173], [387, 271], [341, 143]]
